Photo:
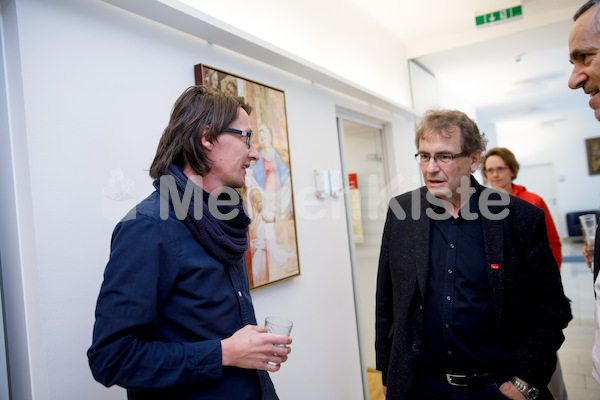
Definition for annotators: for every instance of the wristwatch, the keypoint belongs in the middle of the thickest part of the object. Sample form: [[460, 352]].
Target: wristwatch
[[530, 393]]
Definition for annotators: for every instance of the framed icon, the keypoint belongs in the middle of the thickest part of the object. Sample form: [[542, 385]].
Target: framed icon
[[272, 255]]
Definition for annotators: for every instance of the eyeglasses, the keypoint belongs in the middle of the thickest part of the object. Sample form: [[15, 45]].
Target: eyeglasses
[[247, 135], [492, 171], [440, 158]]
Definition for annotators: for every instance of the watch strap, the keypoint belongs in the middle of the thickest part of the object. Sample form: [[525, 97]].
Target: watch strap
[[519, 385], [523, 388]]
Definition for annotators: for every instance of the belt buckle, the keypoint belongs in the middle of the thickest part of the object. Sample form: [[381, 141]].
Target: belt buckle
[[450, 378]]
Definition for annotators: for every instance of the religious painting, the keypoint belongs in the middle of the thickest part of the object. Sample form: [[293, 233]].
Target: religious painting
[[592, 147], [272, 255]]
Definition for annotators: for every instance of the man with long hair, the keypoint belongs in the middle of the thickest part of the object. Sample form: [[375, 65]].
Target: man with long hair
[[174, 318]]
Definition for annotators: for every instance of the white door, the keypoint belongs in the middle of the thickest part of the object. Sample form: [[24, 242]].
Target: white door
[[363, 158], [539, 179]]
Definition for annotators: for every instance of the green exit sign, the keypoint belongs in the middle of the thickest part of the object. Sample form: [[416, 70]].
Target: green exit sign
[[493, 18]]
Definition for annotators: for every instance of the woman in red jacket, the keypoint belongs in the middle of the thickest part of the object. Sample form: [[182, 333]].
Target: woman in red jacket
[[500, 168]]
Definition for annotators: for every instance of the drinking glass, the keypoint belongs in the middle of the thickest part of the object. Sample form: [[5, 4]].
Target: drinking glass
[[278, 325], [588, 228]]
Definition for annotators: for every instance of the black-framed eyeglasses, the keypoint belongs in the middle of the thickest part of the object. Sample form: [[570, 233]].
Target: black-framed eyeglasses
[[440, 158], [247, 135]]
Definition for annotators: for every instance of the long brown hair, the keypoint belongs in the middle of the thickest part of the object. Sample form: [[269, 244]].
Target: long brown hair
[[180, 143]]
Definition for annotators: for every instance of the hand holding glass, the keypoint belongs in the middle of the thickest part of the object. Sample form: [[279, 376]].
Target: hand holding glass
[[588, 228], [278, 326]]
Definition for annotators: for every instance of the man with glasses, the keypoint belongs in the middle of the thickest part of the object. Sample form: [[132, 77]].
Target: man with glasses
[[470, 303], [174, 318]]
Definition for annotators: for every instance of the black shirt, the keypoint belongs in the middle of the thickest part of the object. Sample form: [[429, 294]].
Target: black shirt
[[459, 333]]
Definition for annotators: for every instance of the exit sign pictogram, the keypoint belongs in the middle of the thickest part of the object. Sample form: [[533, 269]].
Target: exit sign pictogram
[[495, 17]]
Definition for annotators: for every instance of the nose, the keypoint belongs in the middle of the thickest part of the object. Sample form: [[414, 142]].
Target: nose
[[432, 166], [578, 78], [253, 153]]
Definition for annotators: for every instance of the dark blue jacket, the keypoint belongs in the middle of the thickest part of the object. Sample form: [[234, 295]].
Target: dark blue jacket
[[164, 306]]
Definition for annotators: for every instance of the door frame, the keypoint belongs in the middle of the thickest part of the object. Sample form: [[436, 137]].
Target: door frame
[[340, 117]]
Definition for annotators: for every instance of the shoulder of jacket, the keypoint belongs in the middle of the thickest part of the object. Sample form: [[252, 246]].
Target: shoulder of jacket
[[410, 195], [149, 210], [523, 210]]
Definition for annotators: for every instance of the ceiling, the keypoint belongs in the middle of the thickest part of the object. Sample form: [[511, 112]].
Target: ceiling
[[512, 70], [509, 70]]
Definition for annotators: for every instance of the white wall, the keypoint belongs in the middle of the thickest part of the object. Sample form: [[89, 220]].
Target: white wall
[[9, 251], [453, 100], [19, 270], [90, 91], [561, 144], [431, 93], [336, 35], [424, 88]]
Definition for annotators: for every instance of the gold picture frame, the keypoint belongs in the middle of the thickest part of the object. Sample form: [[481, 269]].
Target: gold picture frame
[[272, 255], [592, 147]]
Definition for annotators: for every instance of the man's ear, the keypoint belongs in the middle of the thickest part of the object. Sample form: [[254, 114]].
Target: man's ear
[[204, 140], [475, 160]]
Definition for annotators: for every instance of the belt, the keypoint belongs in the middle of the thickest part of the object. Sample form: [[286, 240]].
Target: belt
[[470, 380]]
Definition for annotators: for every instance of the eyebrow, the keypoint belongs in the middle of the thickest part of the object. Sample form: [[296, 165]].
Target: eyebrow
[[575, 54], [578, 53]]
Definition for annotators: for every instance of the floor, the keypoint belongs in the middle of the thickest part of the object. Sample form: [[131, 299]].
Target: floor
[[375, 386], [575, 353]]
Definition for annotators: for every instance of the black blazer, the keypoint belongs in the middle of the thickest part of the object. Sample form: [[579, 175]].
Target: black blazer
[[527, 296]]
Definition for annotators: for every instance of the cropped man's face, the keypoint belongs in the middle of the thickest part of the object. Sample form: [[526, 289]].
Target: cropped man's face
[[584, 49]]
